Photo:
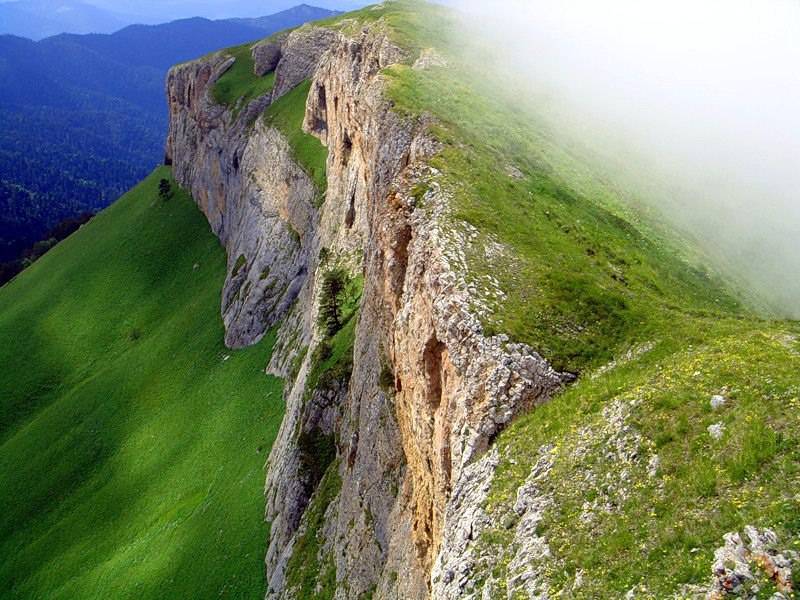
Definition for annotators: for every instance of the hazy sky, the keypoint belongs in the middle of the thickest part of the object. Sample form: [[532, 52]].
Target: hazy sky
[[161, 10], [698, 100], [218, 8]]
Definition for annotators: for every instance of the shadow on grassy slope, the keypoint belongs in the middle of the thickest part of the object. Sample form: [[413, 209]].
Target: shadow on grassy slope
[[133, 442]]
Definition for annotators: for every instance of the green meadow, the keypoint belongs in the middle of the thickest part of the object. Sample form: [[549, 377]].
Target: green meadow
[[132, 442]]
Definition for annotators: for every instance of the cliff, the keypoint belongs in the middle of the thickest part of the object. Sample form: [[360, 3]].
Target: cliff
[[380, 483], [402, 445]]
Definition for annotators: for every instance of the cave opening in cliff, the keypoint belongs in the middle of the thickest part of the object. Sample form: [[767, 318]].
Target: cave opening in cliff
[[319, 120], [432, 357]]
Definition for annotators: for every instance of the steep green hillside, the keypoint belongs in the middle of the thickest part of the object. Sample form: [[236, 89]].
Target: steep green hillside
[[640, 490], [132, 443]]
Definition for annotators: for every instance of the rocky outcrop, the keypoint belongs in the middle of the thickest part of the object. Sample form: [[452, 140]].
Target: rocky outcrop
[[241, 173], [267, 55], [301, 52], [429, 391]]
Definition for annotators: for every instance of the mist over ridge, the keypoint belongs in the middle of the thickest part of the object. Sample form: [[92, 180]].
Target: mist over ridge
[[694, 105]]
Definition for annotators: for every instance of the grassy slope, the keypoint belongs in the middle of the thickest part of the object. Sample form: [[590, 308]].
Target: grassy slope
[[239, 84], [587, 279], [582, 276], [663, 534], [286, 115], [132, 450]]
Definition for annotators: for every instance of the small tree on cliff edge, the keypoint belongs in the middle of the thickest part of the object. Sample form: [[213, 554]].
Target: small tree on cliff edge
[[334, 283], [164, 190]]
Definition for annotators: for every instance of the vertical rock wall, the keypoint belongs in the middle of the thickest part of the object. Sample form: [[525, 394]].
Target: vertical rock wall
[[428, 391]]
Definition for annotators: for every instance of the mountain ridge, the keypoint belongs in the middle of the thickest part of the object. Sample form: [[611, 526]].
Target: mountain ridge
[[499, 379], [38, 19], [510, 304]]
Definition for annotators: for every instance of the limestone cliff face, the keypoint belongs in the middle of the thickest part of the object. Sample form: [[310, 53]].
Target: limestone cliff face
[[428, 391], [240, 172]]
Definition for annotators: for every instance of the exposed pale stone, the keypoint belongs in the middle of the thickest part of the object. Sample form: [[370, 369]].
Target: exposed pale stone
[[429, 58], [716, 431], [403, 451], [718, 401], [267, 54], [301, 52]]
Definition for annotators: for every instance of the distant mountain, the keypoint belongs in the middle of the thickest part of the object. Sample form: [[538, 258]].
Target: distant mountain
[[83, 117], [168, 10], [161, 46], [253, 8], [37, 19], [285, 19]]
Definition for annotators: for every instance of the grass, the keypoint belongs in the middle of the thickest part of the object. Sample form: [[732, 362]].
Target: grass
[[582, 278], [286, 115], [665, 529], [332, 360], [239, 85], [409, 22], [240, 263], [132, 442], [336, 363], [310, 576]]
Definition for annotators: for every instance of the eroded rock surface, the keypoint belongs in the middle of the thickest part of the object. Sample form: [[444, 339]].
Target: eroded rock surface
[[256, 199], [267, 55], [402, 448]]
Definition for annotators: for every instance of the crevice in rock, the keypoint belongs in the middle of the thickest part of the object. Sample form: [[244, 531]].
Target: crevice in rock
[[347, 148], [402, 243], [446, 463], [432, 358], [350, 217], [319, 120]]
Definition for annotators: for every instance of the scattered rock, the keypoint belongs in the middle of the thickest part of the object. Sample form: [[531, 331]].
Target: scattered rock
[[743, 565], [717, 430], [514, 172], [718, 401], [632, 354], [653, 465], [429, 58]]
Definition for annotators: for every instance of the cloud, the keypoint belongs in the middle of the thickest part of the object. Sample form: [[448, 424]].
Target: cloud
[[695, 103]]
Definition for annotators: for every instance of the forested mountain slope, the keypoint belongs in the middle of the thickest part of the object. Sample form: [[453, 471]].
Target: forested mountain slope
[[82, 117]]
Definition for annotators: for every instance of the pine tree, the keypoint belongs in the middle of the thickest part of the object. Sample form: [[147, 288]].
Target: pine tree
[[334, 283], [164, 190]]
